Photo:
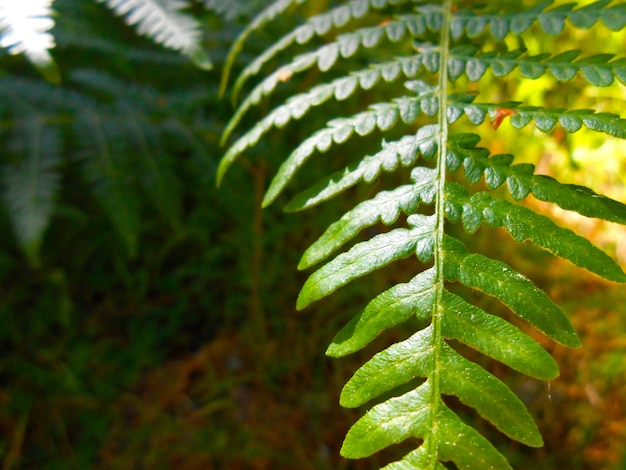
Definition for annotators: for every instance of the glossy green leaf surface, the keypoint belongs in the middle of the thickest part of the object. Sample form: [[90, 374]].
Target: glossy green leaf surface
[[364, 258], [386, 310]]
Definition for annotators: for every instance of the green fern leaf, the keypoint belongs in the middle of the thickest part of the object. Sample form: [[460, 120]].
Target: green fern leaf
[[427, 361], [496, 279], [368, 256], [382, 116], [341, 88], [110, 185], [268, 14], [496, 338], [419, 458], [384, 207], [544, 119], [388, 309], [525, 224], [497, 170], [552, 21], [161, 21], [403, 152], [413, 415], [475, 387], [345, 46], [578, 198], [594, 69], [320, 25], [32, 183], [598, 70], [397, 153]]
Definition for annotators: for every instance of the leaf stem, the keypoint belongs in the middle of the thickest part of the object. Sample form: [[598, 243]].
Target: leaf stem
[[437, 318]]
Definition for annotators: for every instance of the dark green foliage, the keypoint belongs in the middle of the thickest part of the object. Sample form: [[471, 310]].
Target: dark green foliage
[[453, 40], [117, 250]]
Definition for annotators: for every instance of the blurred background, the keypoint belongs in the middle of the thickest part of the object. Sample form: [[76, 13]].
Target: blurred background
[[148, 321]]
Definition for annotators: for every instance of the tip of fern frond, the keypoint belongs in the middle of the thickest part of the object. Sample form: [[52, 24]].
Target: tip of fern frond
[[221, 92], [228, 130], [301, 303], [295, 205], [334, 350], [621, 277], [201, 59], [573, 341], [268, 199], [223, 139], [49, 71], [219, 177], [612, 272]]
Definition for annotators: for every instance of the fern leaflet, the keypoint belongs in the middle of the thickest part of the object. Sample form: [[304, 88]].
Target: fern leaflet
[[162, 21], [32, 182]]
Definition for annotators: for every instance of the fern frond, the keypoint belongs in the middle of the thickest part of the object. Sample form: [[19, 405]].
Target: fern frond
[[521, 181], [382, 116], [32, 183], [110, 185], [411, 415], [340, 89], [545, 119], [24, 29], [392, 307], [525, 224], [385, 207], [268, 14], [552, 21], [496, 279], [402, 152], [368, 256], [428, 358], [319, 25], [475, 387], [594, 69], [598, 70], [162, 21], [232, 9], [345, 46]]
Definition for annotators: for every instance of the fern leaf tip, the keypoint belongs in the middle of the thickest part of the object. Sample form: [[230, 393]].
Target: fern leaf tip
[[269, 198], [219, 177], [50, 71], [302, 302], [201, 59]]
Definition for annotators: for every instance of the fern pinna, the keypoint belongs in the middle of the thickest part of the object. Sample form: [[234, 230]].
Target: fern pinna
[[432, 45]]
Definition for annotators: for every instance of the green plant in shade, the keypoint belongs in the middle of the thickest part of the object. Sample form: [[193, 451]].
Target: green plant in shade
[[436, 49], [43, 123], [26, 29]]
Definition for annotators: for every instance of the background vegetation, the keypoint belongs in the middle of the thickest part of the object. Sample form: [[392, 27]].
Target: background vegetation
[[154, 325]]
